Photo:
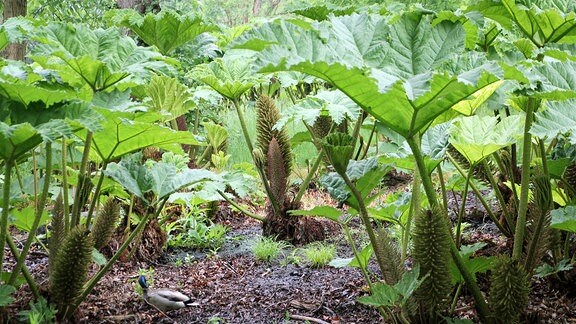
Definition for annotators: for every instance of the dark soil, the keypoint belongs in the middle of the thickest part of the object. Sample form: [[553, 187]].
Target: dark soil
[[230, 286]]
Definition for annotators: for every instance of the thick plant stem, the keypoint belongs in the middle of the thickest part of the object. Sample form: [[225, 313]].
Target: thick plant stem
[[376, 244], [442, 186], [8, 165], [243, 124], [65, 205], [40, 204], [481, 305], [82, 172], [363, 267], [96, 196], [463, 208], [29, 279], [242, 210], [525, 181], [309, 176], [414, 208]]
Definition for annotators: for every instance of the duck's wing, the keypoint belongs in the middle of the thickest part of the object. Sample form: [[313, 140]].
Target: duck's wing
[[171, 295]]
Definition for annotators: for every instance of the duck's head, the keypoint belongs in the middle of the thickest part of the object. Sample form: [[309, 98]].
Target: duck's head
[[142, 282]]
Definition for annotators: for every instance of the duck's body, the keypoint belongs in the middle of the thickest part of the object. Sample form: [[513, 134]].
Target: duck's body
[[163, 299]]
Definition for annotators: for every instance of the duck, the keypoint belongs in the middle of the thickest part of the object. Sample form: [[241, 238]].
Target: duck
[[163, 299]]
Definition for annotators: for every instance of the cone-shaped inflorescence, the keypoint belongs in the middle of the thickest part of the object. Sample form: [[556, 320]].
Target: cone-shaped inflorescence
[[105, 223], [431, 250], [322, 126], [70, 268], [58, 230], [276, 171], [509, 290], [394, 266], [275, 146], [268, 116], [570, 175]]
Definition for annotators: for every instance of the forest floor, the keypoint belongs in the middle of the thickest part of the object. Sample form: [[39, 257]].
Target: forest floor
[[231, 286]]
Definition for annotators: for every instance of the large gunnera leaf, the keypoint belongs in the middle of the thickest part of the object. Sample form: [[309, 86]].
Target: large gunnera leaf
[[166, 30], [398, 81], [540, 26], [99, 58], [476, 137]]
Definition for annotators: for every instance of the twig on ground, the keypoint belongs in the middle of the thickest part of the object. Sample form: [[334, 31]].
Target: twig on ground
[[308, 318]]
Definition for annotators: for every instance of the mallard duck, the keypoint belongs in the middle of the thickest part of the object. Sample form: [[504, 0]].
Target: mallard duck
[[163, 299]]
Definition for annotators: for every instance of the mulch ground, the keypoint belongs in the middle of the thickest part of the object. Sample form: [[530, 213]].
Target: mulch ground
[[232, 287]]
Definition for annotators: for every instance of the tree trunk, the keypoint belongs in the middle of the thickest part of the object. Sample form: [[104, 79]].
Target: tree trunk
[[256, 8], [15, 8], [273, 6], [142, 6]]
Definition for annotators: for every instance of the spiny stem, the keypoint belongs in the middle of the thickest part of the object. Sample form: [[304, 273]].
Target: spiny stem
[[40, 204], [8, 165], [81, 175], [242, 210], [525, 181]]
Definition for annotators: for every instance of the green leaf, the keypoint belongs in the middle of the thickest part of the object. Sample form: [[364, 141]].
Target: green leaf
[[545, 269], [328, 212], [409, 283], [370, 179], [19, 83], [98, 258], [230, 77], [477, 137], [340, 262], [161, 178], [216, 134], [361, 261], [24, 218], [124, 133], [388, 296], [168, 96], [417, 47], [98, 58], [543, 26], [384, 214], [321, 12], [4, 41], [468, 107], [559, 117], [558, 80], [333, 103], [382, 295], [6, 292], [493, 10], [132, 176], [564, 219], [165, 179], [474, 265], [167, 30], [17, 140], [335, 185]]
